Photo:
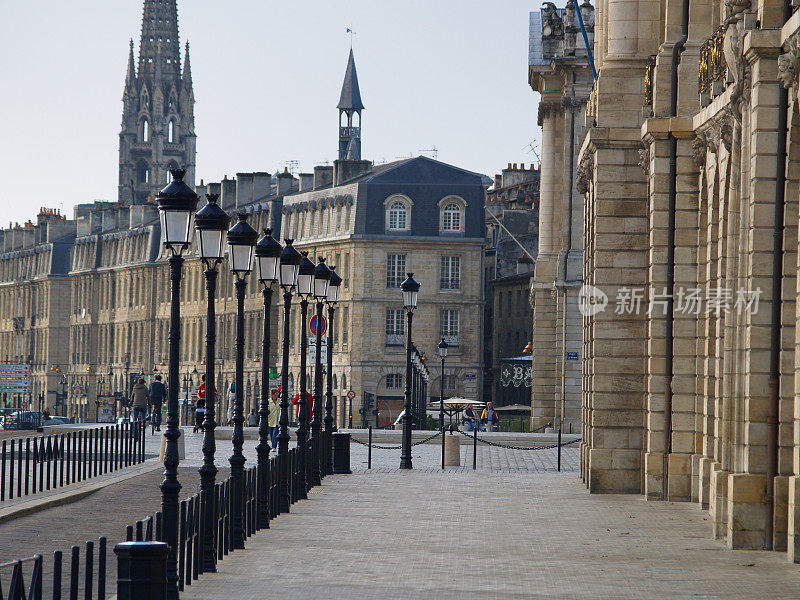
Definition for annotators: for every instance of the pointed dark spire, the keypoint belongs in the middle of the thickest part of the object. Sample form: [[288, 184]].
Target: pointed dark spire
[[160, 25], [130, 78], [350, 98], [187, 67]]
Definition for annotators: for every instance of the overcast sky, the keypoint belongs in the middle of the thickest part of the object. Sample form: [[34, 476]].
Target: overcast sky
[[267, 76]]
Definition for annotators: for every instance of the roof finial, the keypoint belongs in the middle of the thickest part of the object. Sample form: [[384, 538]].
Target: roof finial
[[352, 33]]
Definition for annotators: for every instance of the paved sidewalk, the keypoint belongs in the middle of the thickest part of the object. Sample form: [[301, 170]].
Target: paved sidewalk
[[434, 535]]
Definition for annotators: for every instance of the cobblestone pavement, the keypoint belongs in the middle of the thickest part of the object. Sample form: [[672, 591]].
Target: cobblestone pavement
[[433, 535]]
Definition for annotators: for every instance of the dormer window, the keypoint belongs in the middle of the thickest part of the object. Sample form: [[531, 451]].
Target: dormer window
[[451, 215], [398, 213]]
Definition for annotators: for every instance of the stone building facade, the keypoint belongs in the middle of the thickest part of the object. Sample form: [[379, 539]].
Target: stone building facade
[[690, 168], [559, 71], [512, 229], [86, 301]]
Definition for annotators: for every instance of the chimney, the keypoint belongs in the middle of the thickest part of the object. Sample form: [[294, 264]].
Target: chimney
[[262, 185], [244, 189], [345, 170], [515, 166], [509, 166], [227, 199], [306, 182], [498, 181], [521, 166], [284, 182], [323, 175]]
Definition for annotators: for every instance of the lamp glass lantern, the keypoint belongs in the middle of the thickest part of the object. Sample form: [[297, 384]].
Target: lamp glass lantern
[[443, 346], [177, 204], [410, 289], [305, 276], [334, 286], [241, 244], [322, 280], [268, 258], [289, 266], [211, 223]]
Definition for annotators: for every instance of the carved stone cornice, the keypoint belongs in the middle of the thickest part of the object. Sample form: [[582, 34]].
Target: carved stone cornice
[[789, 62], [699, 150], [547, 109]]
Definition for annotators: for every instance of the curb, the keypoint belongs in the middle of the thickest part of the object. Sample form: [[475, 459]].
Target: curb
[[34, 505]]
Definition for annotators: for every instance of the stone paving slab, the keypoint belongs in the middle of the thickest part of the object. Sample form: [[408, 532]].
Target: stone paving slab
[[462, 535]]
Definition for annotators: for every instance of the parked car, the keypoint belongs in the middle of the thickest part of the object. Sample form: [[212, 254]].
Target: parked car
[[23, 420], [57, 421]]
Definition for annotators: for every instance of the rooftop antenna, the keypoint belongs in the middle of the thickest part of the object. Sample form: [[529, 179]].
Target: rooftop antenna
[[292, 165], [434, 151], [352, 33], [532, 148]]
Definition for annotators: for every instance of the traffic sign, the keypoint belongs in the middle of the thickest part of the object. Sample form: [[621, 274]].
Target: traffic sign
[[313, 325], [15, 378], [312, 350], [351, 394]]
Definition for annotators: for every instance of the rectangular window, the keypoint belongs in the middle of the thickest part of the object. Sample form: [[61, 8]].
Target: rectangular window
[[394, 381], [395, 326], [395, 270], [450, 277], [345, 324], [449, 382], [448, 325], [345, 274]]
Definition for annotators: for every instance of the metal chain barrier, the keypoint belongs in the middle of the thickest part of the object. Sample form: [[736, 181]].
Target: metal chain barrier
[[427, 439], [509, 447]]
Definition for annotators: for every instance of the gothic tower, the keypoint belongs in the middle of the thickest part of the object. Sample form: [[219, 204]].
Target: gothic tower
[[350, 106], [158, 108]]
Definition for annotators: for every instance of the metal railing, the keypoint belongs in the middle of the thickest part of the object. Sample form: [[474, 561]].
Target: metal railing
[[32, 465], [712, 67]]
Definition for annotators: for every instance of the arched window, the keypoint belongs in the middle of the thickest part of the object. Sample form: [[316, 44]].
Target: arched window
[[398, 216], [171, 132], [344, 382], [335, 386], [145, 131], [451, 218]]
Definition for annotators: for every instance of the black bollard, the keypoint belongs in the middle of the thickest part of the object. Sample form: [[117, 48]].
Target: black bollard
[[141, 570], [474, 449], [369, 449], [341, 453]]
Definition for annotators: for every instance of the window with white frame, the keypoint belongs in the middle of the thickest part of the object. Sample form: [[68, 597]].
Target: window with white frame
[[450, 276], [395, 326], [394, 381], [395, 270], [449, 383], [398, 216], [448, 325], [451, 218]]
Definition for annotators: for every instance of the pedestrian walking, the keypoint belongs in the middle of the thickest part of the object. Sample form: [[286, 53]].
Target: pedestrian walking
[[158, 394], [490, 418], [272, 420], [231, 402], [140, 398], [200, 413], [252, 418]]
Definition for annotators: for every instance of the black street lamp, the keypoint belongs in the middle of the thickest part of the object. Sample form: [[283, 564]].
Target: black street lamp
[[333, 298], [176, 204], [211, 223], [410, 289], [305, 288], [241, 241], [268, 256], [322, 280], [287, 278], [443, 346]]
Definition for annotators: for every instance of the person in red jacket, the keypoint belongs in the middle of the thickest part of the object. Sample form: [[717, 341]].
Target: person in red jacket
[[310, 402], [200, 408]]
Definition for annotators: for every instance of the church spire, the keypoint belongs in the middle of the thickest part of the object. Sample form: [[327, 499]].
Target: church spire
[[130, 78], [187, 67], [350, 106], [160, 27], [158, 109]]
